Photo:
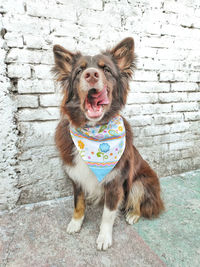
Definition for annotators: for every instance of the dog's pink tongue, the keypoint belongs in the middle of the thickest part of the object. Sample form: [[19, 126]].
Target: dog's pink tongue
[[100, 98], [94, 111], [95, 106]]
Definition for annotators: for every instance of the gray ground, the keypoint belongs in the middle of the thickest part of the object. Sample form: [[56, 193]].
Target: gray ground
[[35, 235]]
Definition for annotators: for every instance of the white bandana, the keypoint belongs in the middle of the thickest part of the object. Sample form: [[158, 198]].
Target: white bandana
[[101, 146]]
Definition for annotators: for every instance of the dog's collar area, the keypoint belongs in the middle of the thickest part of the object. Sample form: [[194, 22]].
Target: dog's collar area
[[92, 124], [100, 146]]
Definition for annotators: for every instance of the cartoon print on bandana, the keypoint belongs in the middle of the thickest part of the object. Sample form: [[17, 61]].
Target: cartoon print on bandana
[[100, 146]]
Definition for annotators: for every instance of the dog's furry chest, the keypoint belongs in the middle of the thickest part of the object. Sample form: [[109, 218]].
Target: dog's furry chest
[[81, 174]]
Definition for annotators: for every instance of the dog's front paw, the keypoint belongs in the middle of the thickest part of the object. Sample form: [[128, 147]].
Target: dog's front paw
[[104, 240], [74, 226], [132, 218]]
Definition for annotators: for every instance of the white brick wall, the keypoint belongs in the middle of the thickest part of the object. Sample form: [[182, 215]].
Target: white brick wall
[[163, 106]]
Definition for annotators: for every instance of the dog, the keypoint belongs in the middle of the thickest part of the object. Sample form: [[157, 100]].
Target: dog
[[95, 91]]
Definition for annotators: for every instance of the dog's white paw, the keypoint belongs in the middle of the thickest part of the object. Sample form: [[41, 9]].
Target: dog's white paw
[[74, 226], [104, 240], [132, 218]]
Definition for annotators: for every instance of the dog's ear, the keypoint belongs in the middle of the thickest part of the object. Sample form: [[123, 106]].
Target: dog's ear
[[64, 60], [123, 54]]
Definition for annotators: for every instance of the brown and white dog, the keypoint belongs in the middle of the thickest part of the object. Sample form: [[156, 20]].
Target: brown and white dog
[[131, 183]]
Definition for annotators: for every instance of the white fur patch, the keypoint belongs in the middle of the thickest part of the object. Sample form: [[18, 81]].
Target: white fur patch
[[75, 225], [80, 173], [104, 240]]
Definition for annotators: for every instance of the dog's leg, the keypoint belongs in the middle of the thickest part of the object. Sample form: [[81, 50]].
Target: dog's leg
[[144, 198], [113, 197], [135, 197], [79, 210]]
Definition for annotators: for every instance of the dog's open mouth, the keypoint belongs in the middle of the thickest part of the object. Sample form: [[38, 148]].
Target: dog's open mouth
[[95, 102]]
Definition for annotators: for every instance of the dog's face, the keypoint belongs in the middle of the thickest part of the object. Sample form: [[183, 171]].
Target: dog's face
[[95, 88]]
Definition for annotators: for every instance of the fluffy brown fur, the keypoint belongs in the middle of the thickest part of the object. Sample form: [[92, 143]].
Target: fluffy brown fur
[[136, 185]]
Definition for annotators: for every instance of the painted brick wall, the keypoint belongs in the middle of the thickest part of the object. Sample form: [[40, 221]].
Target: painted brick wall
[[163, 106]]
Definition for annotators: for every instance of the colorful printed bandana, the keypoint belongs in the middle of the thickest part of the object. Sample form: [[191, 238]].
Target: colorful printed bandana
[[101, 146]]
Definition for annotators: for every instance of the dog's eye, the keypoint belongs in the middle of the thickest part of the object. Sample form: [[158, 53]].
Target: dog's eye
[[79, 70], [106, 69]]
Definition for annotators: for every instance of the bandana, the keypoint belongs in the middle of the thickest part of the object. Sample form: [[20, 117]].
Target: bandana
[[100, 146]]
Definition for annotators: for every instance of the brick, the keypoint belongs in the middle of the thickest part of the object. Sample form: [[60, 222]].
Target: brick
[[172, 97], [134, 98], [38, 114], [67, 42], [131, 110], [146, 109], [180, 127], [97, 5], [164, 64], [194, 127], [166, 76], [62, 29], [30, 56], [14, 40], [47, 57], [153, 28], [33, 152], [175, 7], [156, 130], [149, 87], [173, 54], [194, 77], [192, 106], [174, 76], [194, 96], [26, 25], [51, 11], [89, 17], [172, 30], [53, 100], [33, 42], [17, 7], [24, 56], [185, 43], [157, 42], [156, 108], [42, 71], [196, 162], [19, 71], [192, 116], [168, 118], [35, 86], [147, 52], [165, 138], [140, 121], [145, 75], [38, 134], [187, 153], [184, 86], [180, 145], [27, 101]]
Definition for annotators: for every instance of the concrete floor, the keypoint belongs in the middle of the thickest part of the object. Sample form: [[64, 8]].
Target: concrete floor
[[175, 236], [35, 235]]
